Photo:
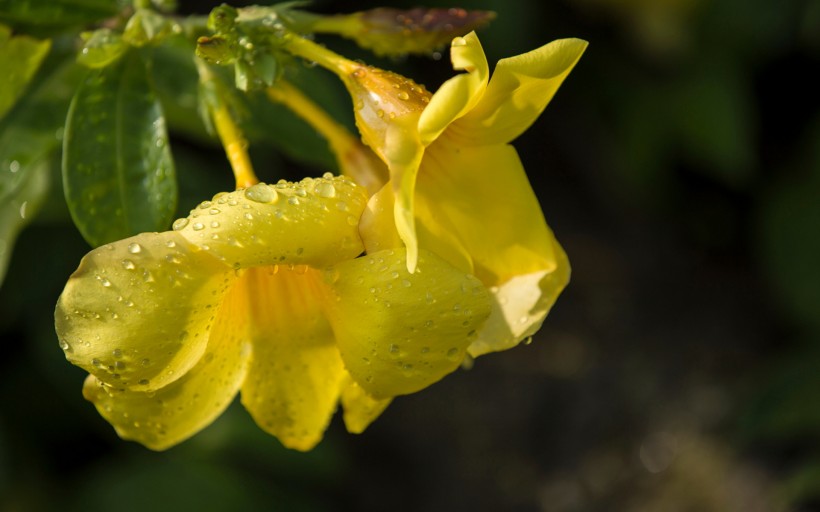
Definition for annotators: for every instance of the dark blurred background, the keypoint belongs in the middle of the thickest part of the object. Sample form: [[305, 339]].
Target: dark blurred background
[[680, 370]]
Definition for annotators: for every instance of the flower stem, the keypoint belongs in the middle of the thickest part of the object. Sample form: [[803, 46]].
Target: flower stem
[[231, 136], [339, 139], [355, 160], [313, 52]]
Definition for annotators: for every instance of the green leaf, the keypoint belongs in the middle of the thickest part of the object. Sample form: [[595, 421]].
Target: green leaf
[[102, 47], [29, 135], [18, 208], [118, 173], [20, 57], [56, 13]]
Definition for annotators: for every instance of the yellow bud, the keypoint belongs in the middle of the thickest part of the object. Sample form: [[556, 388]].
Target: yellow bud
[[383, 100]]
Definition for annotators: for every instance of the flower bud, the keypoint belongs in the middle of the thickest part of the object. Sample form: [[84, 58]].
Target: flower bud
[[383, 100], [387, 31]]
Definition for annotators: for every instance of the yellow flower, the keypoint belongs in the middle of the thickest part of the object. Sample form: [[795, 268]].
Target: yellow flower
[[262, 292], [457, 188]]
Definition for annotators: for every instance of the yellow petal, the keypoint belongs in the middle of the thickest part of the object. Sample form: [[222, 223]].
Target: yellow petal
[[400, 332], [403, 181], [518, 92], [377, 227], [179, 410], [296, 375], [137, 312], [459, 94], [483, 199], [360, 408], [313, 222], [520, 306]]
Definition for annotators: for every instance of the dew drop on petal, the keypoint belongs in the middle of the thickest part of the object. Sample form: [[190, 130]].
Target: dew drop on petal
[[180, 223], [198, 226], [128, 265], [325, 189], [261, 193]]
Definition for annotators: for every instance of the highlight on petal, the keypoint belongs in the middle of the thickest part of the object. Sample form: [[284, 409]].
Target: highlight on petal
[[163, 418], [520, 306], [313, 222], [137, 313], [477, 203], [400, 332], [360, 408], [297, 374], [520, 89], [458, 95]]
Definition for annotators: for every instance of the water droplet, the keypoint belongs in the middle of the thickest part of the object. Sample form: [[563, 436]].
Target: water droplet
[[406, 283], [459, 41], [424, 350], [145, 362], [214, 211], [117, 353], [403, 95], [380, 113], [248, 216], [214, 224], [14, 166], [325, 189], [23, 209], [394, 349], [65, 346], [134, 248], [128, 265], [261, 193], [180, 223], [170, 244], [198, 226], [96, 362], [341, 206], [103, 281], [143, 382], [452, 353], [293, 200]]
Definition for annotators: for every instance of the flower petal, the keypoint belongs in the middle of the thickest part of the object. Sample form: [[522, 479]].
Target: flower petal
[[459, 94], [179, 410], [399, 332], [520, 306], [137, 312], [313, 222], [482, 196], [518, 92], [361, 409], [377, 226], [296, 375]]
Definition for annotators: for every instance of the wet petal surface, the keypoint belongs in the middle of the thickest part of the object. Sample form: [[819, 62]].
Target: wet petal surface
[[179, 410], [313, 222], [400, 332], [137, 313]]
